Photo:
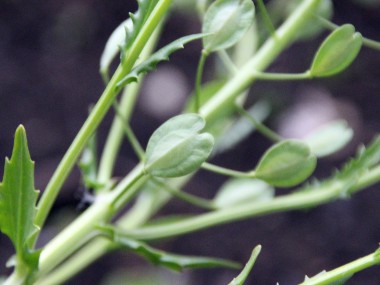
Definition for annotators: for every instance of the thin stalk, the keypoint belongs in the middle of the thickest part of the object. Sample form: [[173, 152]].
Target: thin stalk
[[191, 199], [198, 80], [267, 20], [344, 271], [273, 136], [298, 200], [281, 76], [227, 172], [130, 134], [225, 58]]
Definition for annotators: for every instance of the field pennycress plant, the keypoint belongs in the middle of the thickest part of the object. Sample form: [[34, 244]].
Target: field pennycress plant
[[185, 144]]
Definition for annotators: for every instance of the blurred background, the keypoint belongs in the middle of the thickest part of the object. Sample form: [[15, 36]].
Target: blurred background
[[49, 62]]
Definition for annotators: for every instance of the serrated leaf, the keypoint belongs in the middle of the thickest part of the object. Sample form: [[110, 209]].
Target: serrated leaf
[[177, 148], [18, 199], [112, 47], [365, 159], [329, 138], [138, 19], [286, 164], [160, 55], [337, 52], [240, 279], [226, 21], [241, 192], [159, 257]]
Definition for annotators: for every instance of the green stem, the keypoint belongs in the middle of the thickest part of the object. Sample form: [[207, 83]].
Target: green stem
[[80, 231], [225, 58], [198, 80], [97, 114], [281, 76], [298, 200], [267, 20], [130, 134], [273, 136], [126, 106], [227, 172], [194, 200], [345, 271], [72, 154]]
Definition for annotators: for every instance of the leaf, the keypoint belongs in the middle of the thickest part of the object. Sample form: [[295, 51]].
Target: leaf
[[160, 55], [176, 148], [286, 164], [226, 21], [242, 191], [18, 199], [329, 138], [159, 257], [138, 20], [240, 279], [337, 52], [112, 48]]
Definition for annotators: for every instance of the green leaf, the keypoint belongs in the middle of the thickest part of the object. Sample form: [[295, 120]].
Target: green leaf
[[227, 21], [112, 47], [329, 138], [138, 20], [177, 148], [286, 164], [337, 52], [18, 199], [239, 191], [160, 55], [159, 257], [240, 279]]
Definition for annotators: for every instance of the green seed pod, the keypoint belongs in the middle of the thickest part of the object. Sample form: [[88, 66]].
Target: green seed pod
[[226, 21], [241, 191], [286, 164], [177, 148], [337, 52]]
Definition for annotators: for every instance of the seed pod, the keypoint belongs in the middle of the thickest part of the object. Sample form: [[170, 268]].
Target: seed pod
[[226, 21], [286, 164], [177, 148], [337, 52]]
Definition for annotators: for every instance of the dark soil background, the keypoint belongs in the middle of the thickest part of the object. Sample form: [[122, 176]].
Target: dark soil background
[[49, 60]]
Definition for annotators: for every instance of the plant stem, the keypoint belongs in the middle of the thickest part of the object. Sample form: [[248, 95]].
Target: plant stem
[[126, 105], [136, 146], [197, 201], [198, 80], [344, 271], [267, 20], [80, 231], [97, 114], [298, 200], [227, 172], [273, 136], [225, 58], [281, 76]]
